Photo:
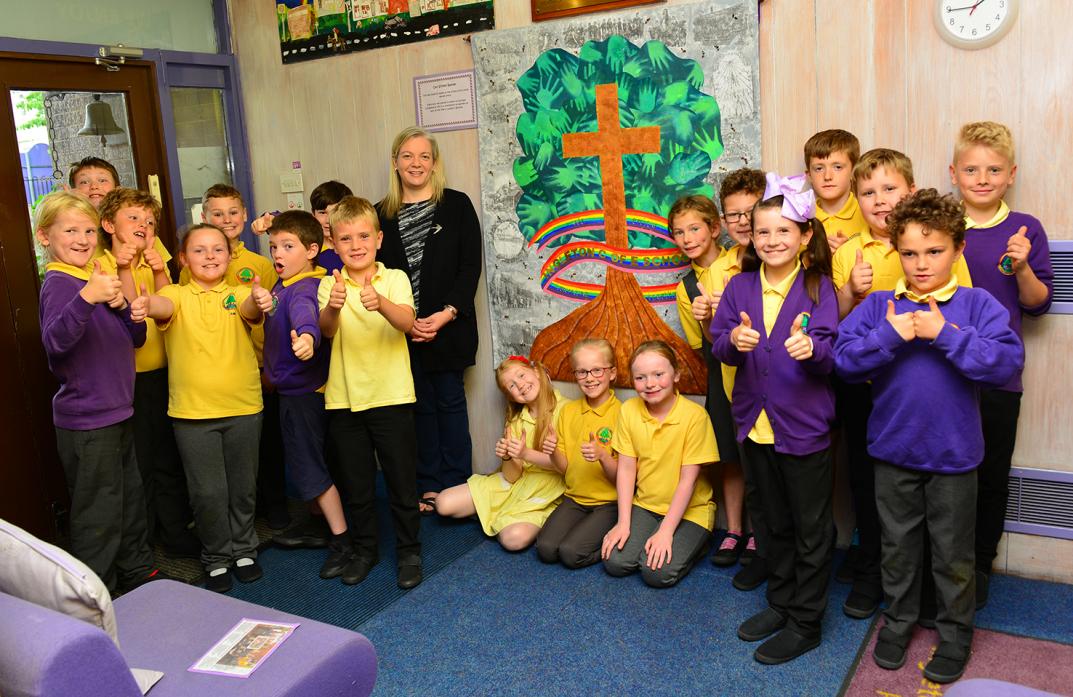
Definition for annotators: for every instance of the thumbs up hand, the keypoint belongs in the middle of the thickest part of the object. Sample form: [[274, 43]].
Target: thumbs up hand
[[551, 440], [152, 257], [928, 323], [302, 346], [139, 309], [101, 287], [124, 256], [860, 277], [501, 444], [702, 305], [264, 300], [591, 449], [1018, 247], [370, 299], [743, 336], [903, 323], [515, 446], [836, 241], [799, 345], [338, 297]]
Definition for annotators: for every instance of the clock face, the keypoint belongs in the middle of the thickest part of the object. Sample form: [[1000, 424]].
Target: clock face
[[974, 23]]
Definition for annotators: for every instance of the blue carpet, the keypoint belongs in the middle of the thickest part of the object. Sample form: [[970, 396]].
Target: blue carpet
[[1029, 608], [292, 583], [506, 624]]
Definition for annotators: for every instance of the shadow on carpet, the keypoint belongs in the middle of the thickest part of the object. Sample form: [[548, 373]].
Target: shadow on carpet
[[506, 624], [1035, 663], [291, 582]]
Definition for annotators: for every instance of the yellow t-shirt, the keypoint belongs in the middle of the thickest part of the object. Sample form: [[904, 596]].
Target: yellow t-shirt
[[241, 270], [684, 437], [212, 369], [370, 363], [848, 220], [773, 298], [885, 261], [586, 482], [941, 295], [151, 356], [1001, 214]]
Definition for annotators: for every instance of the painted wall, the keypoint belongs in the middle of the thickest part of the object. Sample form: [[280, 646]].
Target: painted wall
[[870, 66]]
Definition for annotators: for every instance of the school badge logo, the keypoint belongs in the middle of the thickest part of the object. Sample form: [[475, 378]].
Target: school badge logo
[[230, 303], [245, 275], [604, 435]]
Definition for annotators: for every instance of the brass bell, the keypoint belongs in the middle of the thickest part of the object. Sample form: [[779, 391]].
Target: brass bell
[[99, 120]]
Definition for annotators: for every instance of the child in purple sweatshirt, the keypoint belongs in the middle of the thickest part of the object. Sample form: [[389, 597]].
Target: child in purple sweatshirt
[[296, 362], [1008, 255], [928, 348], [90, 340], [783, 408]]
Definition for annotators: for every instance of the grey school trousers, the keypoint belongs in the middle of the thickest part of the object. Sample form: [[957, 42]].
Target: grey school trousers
[[107, 507], [686, 545], [220, 460], [912, 504]]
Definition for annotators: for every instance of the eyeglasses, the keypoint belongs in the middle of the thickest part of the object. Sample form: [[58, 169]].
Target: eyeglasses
[[595, 372], [734, 216]]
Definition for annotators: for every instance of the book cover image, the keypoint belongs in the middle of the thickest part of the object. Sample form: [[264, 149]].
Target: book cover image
[[244, 648]]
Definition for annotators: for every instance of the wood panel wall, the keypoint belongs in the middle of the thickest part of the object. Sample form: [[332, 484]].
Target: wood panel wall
[[874, 67]]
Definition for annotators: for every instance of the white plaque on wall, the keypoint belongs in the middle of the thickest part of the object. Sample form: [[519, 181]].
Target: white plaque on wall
[[446, 101]]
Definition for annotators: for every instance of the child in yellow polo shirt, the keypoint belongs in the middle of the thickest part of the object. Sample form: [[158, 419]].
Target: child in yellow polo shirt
[[515, 502], [584, 428], [665, 508], [214, 399], [132, 250], [367, 310], [830, 157], [222, 206]]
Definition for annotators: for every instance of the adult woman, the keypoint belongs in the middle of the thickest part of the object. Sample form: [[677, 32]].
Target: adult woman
[[433, 234]]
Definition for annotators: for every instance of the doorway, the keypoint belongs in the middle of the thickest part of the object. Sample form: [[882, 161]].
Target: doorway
[[32, 490]]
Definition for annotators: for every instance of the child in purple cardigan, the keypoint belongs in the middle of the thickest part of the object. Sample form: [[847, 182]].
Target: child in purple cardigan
[[928, 347], [296, 362], [783, 408], [90, 339]]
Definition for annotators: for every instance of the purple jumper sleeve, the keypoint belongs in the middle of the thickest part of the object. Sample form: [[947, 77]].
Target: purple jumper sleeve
[[64, 316], [137, 330], [988, 352], [866, 340], [305, 317], [1039, 259]]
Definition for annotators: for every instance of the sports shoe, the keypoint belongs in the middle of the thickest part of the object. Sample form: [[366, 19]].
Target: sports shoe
[[752, 576], [729, 551]]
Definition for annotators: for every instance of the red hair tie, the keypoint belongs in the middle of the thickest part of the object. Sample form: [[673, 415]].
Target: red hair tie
[[520, 359]]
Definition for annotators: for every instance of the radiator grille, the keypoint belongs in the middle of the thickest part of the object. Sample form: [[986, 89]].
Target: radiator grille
[[1062, 260], [1040, 503]]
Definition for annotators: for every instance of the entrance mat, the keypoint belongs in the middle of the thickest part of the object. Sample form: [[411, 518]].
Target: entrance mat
[[1036, 663]]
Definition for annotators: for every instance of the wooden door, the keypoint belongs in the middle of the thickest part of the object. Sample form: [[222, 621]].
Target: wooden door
[[32, 490]]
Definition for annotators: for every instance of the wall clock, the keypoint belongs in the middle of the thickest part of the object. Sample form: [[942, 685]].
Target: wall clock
[[973, 24]]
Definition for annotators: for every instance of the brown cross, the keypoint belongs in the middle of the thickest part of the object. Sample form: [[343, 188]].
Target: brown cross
[[610, 142]]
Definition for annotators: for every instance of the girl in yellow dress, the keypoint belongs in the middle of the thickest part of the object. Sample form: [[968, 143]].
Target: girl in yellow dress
[[513, 503]]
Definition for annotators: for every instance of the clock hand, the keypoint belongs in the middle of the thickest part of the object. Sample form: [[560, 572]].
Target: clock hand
[[978, 3], [967, 7]]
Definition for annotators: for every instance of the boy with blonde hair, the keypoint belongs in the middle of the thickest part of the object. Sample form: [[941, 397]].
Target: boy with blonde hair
[[367, 309], [1008, 255], [830, 157]]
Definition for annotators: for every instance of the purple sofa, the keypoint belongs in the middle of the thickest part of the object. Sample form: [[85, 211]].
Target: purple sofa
[[167, 626]]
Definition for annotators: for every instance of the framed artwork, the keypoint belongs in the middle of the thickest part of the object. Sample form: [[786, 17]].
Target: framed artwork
[[554, 9]]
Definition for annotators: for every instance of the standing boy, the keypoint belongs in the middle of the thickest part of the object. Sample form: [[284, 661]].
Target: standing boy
[[296, 363], [367, 309], [1008, 256], [928, 347], [866, 263], [134, 252], [830, 157]]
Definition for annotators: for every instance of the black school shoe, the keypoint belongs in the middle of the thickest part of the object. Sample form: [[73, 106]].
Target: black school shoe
[[863, 601], [220, 583], [890, 650], [340, 552], [752, 576], [947, 665], [248, 573], [409, 572], [729, 550], [312, 533], [359, 567], [785, 646], [761, 625]]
